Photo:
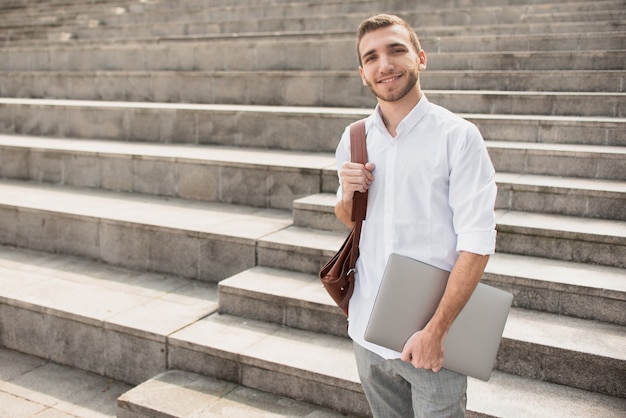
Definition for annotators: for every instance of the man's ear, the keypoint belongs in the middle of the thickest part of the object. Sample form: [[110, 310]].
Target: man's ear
[[422, 60], [362, 76]]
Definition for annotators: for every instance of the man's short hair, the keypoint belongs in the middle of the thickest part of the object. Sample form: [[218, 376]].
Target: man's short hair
[[383, 21]]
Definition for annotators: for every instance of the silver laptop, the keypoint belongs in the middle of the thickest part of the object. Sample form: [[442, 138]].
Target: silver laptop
[[408, 297]]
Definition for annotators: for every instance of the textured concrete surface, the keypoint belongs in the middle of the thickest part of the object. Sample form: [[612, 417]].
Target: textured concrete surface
[[34, 387]]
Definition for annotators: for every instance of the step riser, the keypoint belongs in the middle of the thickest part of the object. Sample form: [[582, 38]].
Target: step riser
[[258, 375], [241, 184], [478, 18], [267, 56], [299, 89], [157, 13], [580, 247], [229, 11], [564, 164], [563, 202], [94, 347], [579, 203], [581, 81], [142, 247], [289, 131], [274, 186], [55, 34], [551, 364], [300, 52], [512, 357], [283, 311], [577, 247], [568, 302]]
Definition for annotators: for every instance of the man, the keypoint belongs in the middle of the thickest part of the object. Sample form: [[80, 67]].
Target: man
[[431, 197]]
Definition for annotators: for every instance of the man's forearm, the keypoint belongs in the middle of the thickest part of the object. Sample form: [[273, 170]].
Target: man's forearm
[[463, 279], [343, 211]]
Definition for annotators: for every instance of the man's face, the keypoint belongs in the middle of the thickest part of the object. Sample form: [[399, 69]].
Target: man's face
[[390, 65]]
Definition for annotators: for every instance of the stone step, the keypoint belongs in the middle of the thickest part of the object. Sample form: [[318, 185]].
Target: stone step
[[503, 395], [32, 386], [97, 27], [564, 160], [535, 6], [229, 347], [53, 35], [176, 393], [568, 238], [272, 178], [291, 51], [205, 241], [242, 176], [94, 317], [563, 81], [303, 55], [521, 192], [297, 300], [244, 351], [565, 196], [292, 88], [194, 11], [564, 288], [204, 235], [578, 290], [291, 128]]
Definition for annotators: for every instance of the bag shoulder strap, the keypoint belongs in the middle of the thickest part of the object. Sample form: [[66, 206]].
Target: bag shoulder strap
[[358, 151]]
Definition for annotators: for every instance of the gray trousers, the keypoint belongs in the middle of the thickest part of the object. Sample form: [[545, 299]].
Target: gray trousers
[[395, 388]]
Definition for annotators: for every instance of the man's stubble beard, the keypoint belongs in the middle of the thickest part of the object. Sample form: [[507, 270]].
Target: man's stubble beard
[[394, 97]]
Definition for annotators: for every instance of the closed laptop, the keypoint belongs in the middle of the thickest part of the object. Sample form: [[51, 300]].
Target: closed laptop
[[407, 299]]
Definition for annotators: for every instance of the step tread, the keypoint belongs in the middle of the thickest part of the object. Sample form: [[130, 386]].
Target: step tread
[[543, 329], [570, 184], [319, 357], [605, 151], [236, 221], [552, 331], [291, 110], [330, 360], [547, 224], [326, 201], [325, 37], [102, 295], [507, 395], [591, 228], [212, 153], [556, 274], [294, 287], [177, 393]]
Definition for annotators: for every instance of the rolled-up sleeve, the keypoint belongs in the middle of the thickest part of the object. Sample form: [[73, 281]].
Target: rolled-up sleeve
[[472, 194]]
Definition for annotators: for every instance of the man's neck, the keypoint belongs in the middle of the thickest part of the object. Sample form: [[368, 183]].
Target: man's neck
[[394, 112]]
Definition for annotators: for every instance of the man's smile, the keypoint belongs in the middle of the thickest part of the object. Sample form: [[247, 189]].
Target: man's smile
[[389, 80]]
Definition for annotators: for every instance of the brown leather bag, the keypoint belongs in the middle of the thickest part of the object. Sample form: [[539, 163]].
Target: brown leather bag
[[337, 275]]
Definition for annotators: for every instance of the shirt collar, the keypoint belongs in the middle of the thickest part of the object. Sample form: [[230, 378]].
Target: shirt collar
[[409, 121]]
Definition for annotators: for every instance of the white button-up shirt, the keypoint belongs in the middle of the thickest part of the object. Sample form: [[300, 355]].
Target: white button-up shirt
[[432, 196]]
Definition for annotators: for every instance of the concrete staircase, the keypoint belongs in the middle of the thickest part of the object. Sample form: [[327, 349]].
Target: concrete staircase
[[167, 180]]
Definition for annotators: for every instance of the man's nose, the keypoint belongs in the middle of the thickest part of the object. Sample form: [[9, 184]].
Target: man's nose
[[386, 64]]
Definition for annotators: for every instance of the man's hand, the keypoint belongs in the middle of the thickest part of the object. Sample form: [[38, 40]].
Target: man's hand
[[424, 350], [355, 177]]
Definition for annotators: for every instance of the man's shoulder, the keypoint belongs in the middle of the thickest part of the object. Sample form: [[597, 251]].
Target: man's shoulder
[[439, 112]]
